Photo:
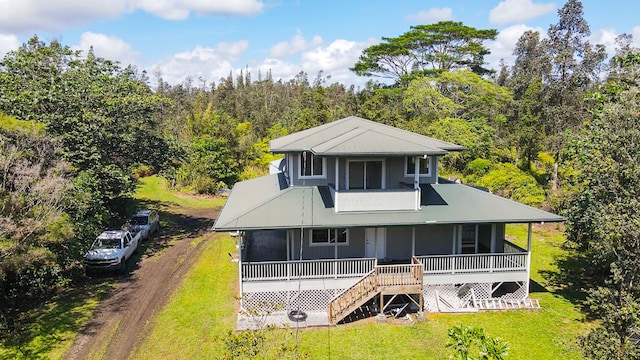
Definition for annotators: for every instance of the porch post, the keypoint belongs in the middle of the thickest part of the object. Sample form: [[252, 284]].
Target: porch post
[[413, 241], [290, 166], [528, 257], [493, 238], [434, 162], [416, 173], [240, 266], [337, 175], [288, 245]]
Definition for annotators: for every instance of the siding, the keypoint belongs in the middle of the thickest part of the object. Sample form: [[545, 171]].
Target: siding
[[434, 239]]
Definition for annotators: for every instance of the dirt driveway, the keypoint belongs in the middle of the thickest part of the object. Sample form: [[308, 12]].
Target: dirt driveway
[[119, 324]]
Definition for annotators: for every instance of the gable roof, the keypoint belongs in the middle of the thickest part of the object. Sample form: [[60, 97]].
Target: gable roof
[[357, 136], [264, 203]]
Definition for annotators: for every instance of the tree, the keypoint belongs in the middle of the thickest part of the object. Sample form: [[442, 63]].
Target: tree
[[102, 115], [35, 231], [603, 225], [459, 94], [575, 66], [209, 166], [427, 49]]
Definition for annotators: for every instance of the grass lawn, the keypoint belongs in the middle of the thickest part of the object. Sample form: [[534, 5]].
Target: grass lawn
[[154, 189], [197, 318], [53, 326]]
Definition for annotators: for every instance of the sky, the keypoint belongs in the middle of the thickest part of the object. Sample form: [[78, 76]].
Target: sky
[[206, 40]]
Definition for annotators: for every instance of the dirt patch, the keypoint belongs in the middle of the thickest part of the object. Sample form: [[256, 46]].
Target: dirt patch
[[119, 323]]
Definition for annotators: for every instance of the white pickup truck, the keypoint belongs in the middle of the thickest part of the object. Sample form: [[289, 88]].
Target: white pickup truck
[[111, 250]]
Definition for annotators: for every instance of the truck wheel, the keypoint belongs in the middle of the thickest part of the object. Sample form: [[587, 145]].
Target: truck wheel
[[123, 266]]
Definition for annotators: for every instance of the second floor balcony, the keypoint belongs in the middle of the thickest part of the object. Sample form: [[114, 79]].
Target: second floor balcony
[[376, 199]]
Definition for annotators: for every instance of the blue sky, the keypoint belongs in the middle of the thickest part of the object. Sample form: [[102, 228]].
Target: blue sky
[[208, 39]]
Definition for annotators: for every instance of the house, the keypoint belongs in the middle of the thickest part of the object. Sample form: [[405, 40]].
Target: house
[[358, 214]]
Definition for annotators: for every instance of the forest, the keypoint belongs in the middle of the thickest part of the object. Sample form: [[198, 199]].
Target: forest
[[558, 130]]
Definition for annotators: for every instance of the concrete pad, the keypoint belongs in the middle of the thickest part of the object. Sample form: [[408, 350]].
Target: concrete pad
[[281, 320]]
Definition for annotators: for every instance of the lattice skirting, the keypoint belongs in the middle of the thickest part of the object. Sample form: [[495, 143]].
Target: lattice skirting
[[452, 297], [276, 301]]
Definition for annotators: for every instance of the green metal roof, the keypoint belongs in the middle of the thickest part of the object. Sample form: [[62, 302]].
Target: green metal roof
[[266, 203], [357, 136]]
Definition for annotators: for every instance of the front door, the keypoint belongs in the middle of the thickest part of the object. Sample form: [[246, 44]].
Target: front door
[[375, 243]]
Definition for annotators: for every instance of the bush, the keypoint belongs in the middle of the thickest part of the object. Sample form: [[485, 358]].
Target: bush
[[509, 181]]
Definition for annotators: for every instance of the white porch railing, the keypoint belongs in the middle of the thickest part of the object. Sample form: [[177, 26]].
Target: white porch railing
[[307, 269], [375, 200], [473, 263]]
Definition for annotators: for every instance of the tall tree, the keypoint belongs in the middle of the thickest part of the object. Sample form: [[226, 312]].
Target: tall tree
[[575, 66], [427, 49], [525, 122], [603, 225]]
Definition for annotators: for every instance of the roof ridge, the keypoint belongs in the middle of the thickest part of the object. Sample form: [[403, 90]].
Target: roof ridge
[[314, 130]]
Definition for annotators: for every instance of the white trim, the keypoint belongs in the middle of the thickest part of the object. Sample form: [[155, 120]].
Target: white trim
[[312, 244], [290, 166], [337, 166], [324, 167], [383, 180], [406, 171]]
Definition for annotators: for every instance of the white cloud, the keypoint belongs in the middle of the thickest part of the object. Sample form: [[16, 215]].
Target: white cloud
[[207, 63], [606, 37], [297, 45], [502, 47], [432, 15], [513, 11], [108, 47], [334, 60], [22, 16], [181, 9], [29, 15], [635, 32], [8, 43]]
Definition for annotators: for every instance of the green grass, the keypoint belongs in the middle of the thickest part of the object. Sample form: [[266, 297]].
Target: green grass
[[154, 189], [194, 323], [53, 326], [200, 312]]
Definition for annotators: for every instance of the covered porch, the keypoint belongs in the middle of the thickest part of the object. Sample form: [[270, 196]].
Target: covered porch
[[313, 285]]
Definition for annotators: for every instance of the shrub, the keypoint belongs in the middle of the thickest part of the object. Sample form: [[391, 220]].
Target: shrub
[[509, 181]]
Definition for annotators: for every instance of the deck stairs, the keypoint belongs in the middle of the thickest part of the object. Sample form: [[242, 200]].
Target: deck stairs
[[507, 304], [382, 280]]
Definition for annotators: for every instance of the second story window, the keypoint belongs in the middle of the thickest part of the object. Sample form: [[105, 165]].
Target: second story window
[[410, 166], [311, 166]]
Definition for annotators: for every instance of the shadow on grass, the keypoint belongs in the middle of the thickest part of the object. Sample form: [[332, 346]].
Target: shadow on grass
[[570, 279], [48, 323], [45, 327]]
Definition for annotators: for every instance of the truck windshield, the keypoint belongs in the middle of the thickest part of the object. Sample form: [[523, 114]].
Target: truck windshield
[[107, 243], [138, 220]]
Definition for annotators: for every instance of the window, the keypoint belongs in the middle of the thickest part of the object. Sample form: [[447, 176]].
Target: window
[[410, 166], [328, 237], [365, 174], [311, 165]]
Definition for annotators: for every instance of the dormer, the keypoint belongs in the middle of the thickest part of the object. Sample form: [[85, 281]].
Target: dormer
[[367, 166]]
